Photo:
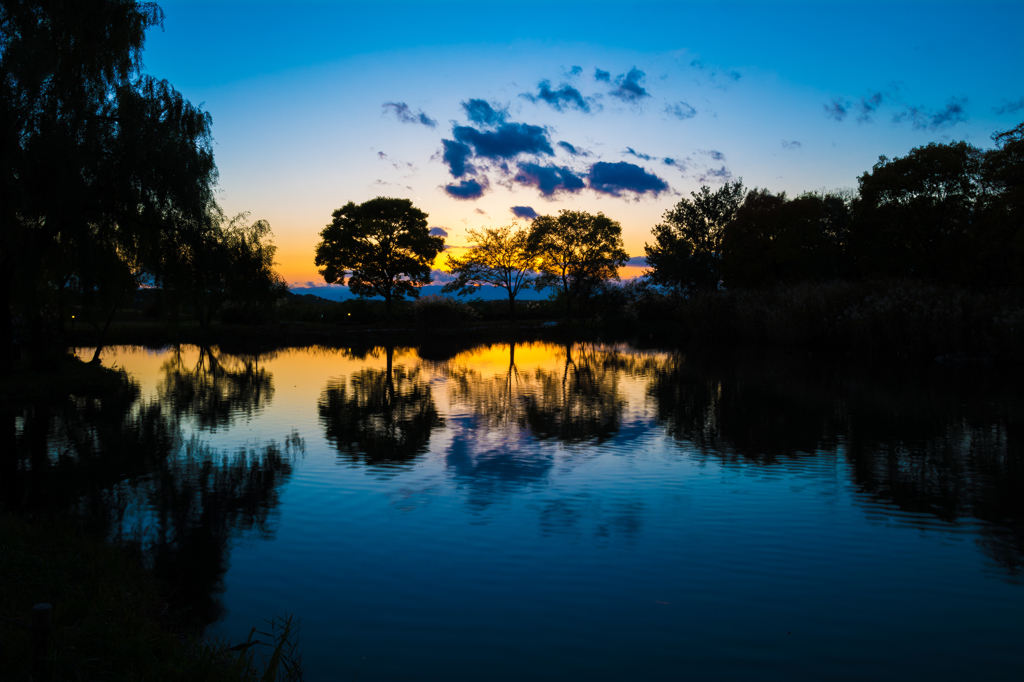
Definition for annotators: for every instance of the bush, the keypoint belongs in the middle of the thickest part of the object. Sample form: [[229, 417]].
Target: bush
[[901, 318], [439, 311]]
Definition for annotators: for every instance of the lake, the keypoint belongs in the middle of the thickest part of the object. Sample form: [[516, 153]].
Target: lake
[[562, 511]]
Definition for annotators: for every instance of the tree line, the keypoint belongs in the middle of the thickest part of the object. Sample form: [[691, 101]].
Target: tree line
[[945, 213]]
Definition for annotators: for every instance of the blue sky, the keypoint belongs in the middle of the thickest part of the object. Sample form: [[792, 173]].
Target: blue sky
[[317, 104]]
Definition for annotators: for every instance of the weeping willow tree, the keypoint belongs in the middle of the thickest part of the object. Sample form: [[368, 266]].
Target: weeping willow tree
[[100, 162]]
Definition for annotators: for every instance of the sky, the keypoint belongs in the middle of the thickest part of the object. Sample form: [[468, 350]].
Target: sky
[[488, 113]]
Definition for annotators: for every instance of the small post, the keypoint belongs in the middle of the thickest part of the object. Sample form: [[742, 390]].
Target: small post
[[40, 641]]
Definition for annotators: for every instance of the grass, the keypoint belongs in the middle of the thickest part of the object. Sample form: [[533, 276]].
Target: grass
[[110, 621]]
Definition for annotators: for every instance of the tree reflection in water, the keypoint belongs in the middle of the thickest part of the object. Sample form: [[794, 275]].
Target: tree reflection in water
[[383, 418], [217, 387], [932, 444], [123, 466]]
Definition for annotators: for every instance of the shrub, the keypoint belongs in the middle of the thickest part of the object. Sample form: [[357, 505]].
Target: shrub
[[438, 311]]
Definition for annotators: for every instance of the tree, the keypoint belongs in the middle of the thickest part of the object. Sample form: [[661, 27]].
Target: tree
[[688, 245], [1000, 235], [231, 261], [576, 251], [914, 215], [501, 257], [93, 151], [773, 239], [382, 246]]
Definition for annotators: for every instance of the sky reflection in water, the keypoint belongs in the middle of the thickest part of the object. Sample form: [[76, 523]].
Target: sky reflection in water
[[546, 511]]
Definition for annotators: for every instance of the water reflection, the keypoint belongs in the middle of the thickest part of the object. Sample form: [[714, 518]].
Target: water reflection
[[933, 445], [215, 388], [380, 417], [124, 465]]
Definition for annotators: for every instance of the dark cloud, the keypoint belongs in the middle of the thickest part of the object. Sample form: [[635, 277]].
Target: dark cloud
[[467, 189], [640, 261], [455, 156], [714, 154], [669, 161], [947, 117], [382, 155], [680, 110], [600, 75], [617, 178], [548, 179], [632, 152], [574, 72], [565, 97], [1009, 107], [628, 88], [525, 212], [508, 141], [791, 144], [438, 232], [836, 109], [404, 114], [574, 150], [481, 111]]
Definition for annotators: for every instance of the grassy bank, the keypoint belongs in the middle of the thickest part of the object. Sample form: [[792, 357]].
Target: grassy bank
[[902, 319], [110, 620]]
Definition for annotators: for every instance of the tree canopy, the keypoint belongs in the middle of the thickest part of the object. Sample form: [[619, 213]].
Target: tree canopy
[[576, 251], [687, 246], [500, 256], [382, 247]]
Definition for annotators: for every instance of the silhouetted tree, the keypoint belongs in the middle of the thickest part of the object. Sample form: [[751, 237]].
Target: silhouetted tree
[[233, 261], [1000, 227], [500, 256], [93, 152], [914, 214], [687, 246], [576, 251], [382, 246], [774, 240]]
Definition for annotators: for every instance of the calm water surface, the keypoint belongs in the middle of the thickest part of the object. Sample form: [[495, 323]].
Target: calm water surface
[[545, 511]]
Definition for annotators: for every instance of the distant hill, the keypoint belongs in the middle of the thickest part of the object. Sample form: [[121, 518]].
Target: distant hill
[[485, 293]]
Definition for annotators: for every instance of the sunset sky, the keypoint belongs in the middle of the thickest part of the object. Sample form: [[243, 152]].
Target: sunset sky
[[476, 110]]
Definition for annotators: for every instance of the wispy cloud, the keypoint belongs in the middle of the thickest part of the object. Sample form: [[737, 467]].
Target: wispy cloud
[[565, 97], [1009, 107], [680, 110], [837, 109], [791, 144], [713, 153], [946, 117], [573, 149], [404, 114], [632, 152]]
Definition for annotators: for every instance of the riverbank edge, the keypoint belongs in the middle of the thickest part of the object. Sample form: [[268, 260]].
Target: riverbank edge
[[110, 618]]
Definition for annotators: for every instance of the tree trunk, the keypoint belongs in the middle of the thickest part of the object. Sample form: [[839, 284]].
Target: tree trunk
[[387, 305], [6, 319], [511, 306]]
